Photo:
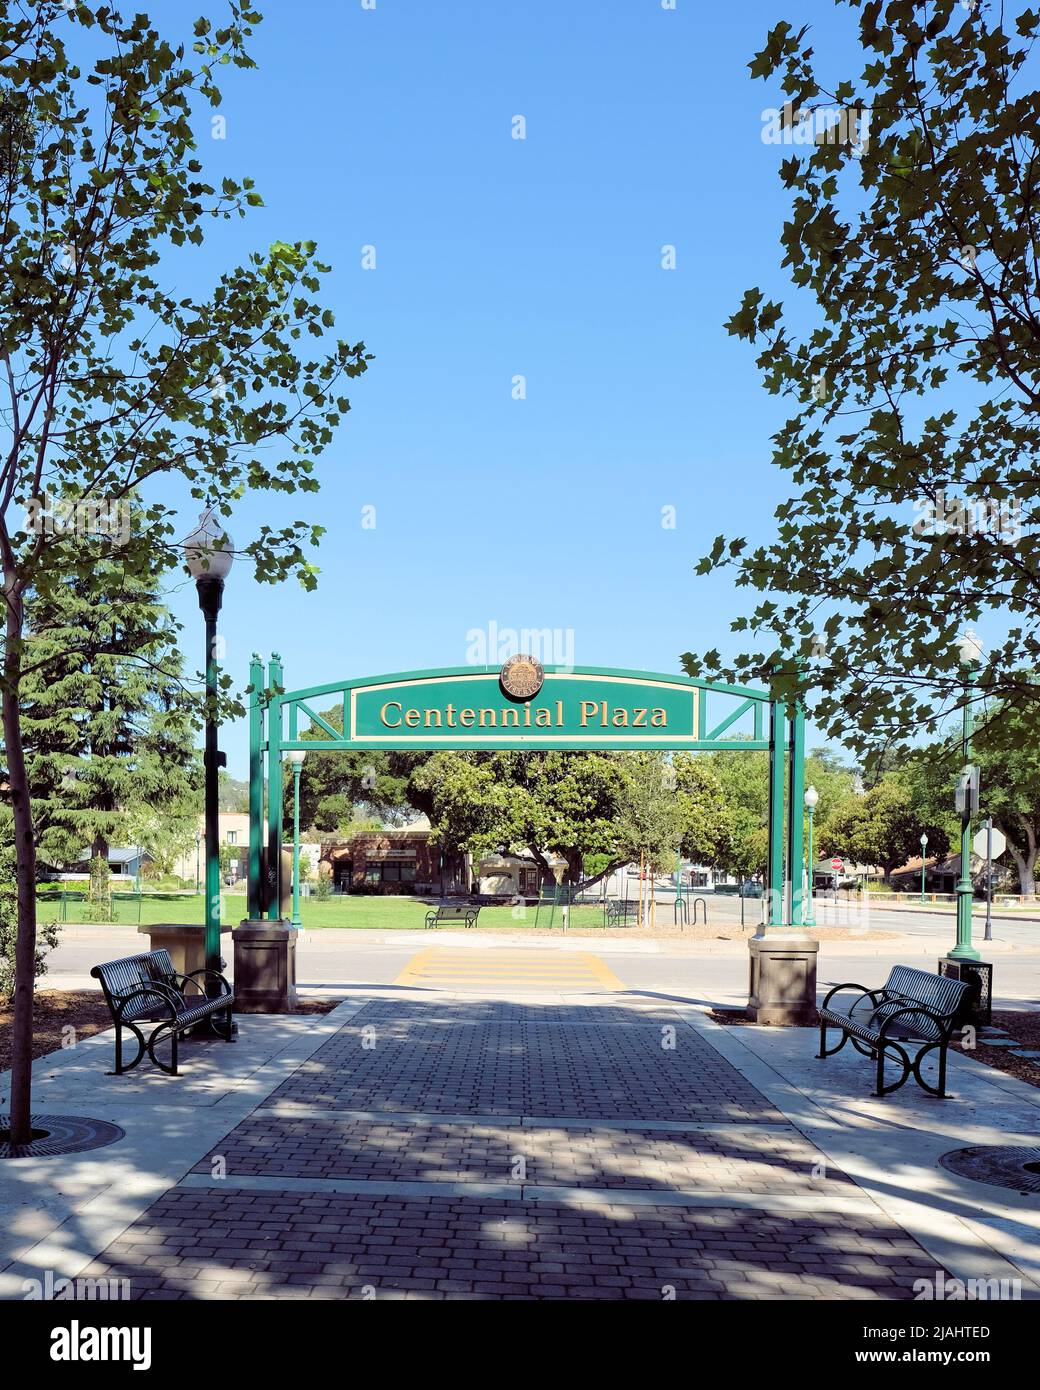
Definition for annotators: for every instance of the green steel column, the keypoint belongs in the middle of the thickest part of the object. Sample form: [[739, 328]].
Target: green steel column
[[775, 874], [254, 896], [297, 769], [964, 950], [795, 814], [274, 788]]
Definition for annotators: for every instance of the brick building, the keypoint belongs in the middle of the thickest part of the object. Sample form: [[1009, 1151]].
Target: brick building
[[393, 861]]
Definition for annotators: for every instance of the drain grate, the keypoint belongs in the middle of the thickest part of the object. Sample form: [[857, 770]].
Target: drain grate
[[59, 1134], [1009, 1165]]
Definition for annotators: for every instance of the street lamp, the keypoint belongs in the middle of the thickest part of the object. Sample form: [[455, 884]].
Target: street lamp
[[198, 845], [969, 651], [208, 555], [812, 796], [296, 757], [924, 851]]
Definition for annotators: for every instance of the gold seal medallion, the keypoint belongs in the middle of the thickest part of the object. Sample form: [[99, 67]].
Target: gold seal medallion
[[521, 677]]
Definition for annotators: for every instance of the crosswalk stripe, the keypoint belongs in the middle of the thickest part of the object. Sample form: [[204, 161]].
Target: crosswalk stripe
[[444, 968]]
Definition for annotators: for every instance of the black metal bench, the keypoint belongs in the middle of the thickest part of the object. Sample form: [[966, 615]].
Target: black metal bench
[[464, 913], [146, 989], [914, 1009], [619, 913]]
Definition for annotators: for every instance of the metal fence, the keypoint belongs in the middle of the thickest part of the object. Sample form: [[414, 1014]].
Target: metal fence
[[119, 909]]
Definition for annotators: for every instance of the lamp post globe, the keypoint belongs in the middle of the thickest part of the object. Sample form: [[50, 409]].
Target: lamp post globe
[[812, 796], [208, 555], [296, 757], [969, 653]]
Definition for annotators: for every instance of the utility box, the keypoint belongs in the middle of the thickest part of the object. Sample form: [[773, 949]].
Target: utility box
[[978, 1007], [265, 967]]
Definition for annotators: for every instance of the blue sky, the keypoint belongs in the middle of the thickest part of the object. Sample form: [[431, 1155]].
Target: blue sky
[[496, 257]]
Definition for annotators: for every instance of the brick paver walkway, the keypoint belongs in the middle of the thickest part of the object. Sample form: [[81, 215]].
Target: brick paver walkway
[[233, 1244], [466, 1148]]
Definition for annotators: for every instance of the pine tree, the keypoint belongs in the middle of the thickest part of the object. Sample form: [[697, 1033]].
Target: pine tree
[[108, 724]]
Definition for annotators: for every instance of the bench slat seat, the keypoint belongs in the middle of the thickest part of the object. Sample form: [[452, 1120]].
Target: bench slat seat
[[913, 1009], [146, 989]]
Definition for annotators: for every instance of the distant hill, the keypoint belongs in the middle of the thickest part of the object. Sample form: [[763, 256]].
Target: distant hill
[[233, 793]]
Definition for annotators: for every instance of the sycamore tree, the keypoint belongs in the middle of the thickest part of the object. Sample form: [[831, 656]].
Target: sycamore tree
[[1007, 754], [333, 785], [743, 777], [550, 803], [911, 364], [595, 810], [883, 826], [119, 383]]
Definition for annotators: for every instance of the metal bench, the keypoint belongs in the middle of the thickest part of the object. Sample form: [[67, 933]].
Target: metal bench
[[619, 913], [146, 989], [465, 913], [914, 1009]]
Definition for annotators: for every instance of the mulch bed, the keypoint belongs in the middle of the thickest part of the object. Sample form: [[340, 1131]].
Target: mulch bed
[[86, 1012], [82, 1009], [1024, 1028]]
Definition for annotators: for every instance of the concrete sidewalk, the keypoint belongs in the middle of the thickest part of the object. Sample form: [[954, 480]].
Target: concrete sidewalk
[[423, 1144]]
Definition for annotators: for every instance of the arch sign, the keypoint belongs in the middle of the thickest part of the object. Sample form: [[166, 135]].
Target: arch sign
[[521, 705]]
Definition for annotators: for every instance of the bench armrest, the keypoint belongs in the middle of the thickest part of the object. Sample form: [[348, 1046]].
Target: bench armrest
[[190, 978], [941, 1021], [155, 991], [871, 994]]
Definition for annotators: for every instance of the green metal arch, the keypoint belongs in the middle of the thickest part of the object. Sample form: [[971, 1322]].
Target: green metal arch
[[448, 672], [268, 742]]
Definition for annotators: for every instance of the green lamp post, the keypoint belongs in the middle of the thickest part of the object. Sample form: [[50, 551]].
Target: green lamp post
[[924, 851], [208, 554], [969, 649], [296, 757], [812, 796]]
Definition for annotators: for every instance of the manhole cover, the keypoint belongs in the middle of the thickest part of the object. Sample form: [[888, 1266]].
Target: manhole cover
[[1011, 1166], [59, 1134]]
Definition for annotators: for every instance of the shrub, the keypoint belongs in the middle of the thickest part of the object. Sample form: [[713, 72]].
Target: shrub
[[99, 896], [46, 933]]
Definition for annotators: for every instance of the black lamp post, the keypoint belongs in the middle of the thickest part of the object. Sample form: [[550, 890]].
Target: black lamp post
[[209, 555]]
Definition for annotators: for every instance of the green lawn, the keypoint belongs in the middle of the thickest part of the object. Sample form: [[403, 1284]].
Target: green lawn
[[378, 914]]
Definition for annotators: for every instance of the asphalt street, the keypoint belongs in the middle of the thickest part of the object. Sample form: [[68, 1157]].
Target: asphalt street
[[714, 971]]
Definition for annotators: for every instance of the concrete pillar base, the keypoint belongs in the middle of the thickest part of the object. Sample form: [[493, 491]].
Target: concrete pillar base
[[782, 986], [186, 944], [265, 967]]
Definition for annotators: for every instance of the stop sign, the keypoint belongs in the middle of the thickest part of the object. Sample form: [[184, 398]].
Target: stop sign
[[837, 865]]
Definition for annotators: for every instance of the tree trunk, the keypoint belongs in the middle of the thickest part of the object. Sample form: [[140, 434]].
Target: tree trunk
[[1026, 877], [587, 883], [25, 878], [1025, 862], [543, 864]]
